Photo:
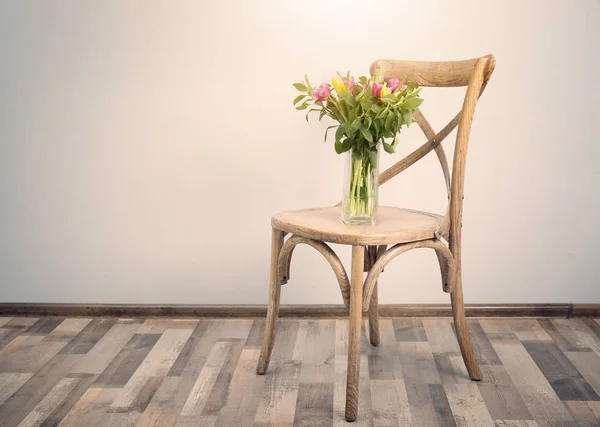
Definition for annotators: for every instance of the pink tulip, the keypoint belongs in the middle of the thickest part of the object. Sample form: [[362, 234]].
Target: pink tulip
[[351, 82], [393, 84], [322, 92], [376, 89]]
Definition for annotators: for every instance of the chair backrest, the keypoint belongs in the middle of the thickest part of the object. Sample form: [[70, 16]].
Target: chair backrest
[[472, 73]]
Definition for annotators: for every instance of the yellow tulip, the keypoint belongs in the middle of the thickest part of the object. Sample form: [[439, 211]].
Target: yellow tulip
[[338, 84], [385, 91]]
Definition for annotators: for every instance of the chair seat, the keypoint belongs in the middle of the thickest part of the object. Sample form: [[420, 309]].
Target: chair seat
[[393, 225]]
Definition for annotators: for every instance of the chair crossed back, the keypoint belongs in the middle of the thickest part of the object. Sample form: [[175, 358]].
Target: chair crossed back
[[472, 73]]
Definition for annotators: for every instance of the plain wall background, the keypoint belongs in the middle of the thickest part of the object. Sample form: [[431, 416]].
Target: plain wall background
[[144, 146]]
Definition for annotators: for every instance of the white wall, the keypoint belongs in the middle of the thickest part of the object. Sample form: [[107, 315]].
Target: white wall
[[144, 145]]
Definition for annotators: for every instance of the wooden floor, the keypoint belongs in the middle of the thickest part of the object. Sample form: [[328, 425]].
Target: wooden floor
[[184, 372]]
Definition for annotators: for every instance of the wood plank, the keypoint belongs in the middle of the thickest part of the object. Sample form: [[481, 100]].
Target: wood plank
[[49, 403], [467, 405], [206, 380], [10, 382], [11, 336], [540, 398], [583, 412], [99, 357], [85, 380], [319, 352], [90, 408], [163, 354], [277, 405], [22, 321], [483, 348], [29, 355], [256, 334], [314, 405], [123, 366], [240, 407], [588, 365], [569, 331], [583, 334], [166, 403], [390, 404], [89, 336], [495, 326], [593, 325], [287, 332], [218, 395], [298, 352], [516, 423], [418, 364], [441, 336], [4, 320], [409, 330], [429, 405], [451, 368], [562, 341], [193, 355], [123, 401], [69, 328], [528, 329], [501, 396], [564, 378], [33, 391], [230, 328], [44, 326], [158, 326]]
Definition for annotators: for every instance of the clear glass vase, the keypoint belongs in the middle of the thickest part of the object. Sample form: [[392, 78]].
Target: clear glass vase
[[361, 185]]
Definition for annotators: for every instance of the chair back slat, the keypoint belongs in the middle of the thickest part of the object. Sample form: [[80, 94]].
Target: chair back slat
[[430, 74], [473, 73]]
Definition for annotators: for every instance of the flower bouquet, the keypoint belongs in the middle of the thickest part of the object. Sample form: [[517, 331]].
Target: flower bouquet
[[370, 113]]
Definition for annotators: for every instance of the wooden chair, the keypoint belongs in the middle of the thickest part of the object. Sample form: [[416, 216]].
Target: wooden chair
[[402, 229]]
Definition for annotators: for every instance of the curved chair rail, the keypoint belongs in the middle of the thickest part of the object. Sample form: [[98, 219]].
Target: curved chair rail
[[340, 273], [444, 257]]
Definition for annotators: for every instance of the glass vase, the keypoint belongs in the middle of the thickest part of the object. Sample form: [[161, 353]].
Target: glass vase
[[361, 185]]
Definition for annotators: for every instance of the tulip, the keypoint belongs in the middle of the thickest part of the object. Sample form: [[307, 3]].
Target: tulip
[[376, 89], [384, 91], [348, 85], [322, 92], [393, 84], [338, 84]]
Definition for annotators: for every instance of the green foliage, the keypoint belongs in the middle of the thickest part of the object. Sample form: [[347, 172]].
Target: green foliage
[[365, 120]]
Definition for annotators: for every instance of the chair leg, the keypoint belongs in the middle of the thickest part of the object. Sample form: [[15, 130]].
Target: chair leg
[[374, 318], [273, 307], [462, 331], [355, 318]]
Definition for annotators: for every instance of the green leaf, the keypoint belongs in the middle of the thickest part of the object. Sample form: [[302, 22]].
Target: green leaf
[[366, 133], [298, 99], [347, 144], [408, 117], [412, 103], [342, 147], [389, 120], [376, 108], [349, 99], [323, 113], [339, 133], [338, 147], [307, 81], [300, 87], [362, 80], [327, 130], [303, 106], [388, 148]]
